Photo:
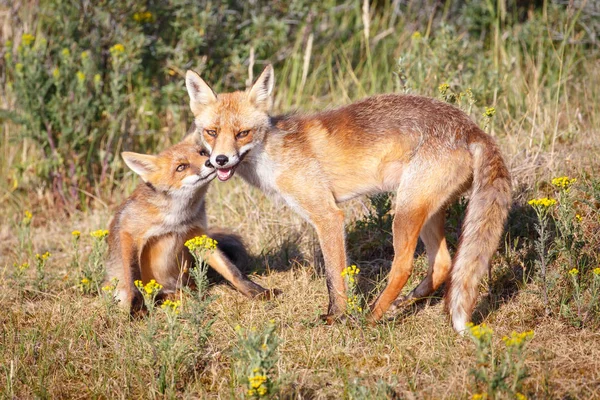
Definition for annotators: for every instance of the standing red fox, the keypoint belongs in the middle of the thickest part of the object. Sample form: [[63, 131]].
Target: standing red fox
[[427, 151], [148, 232]]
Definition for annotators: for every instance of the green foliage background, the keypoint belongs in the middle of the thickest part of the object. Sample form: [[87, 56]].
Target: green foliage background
[[94, 78]]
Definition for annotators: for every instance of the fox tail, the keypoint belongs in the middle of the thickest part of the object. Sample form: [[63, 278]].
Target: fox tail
[[483, 226]]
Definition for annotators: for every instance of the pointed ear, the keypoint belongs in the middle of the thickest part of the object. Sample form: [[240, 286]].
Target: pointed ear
[[141, 164], [260, 93], [200, 93]]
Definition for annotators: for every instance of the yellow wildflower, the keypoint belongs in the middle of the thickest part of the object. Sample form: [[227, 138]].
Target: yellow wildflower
[[443, 88], [85, 281], [56, 73], [574, 272], [201, 243], [27, 39], [143, 17], [66, 52], [19, 67], [489, 112], [76, 234], [479, 396], [108, 288], [542, 203], [172, 306], [27, 218], [85, 55], [22, 267], [350, 271], [481, 331], [596, 271], [578, 218], [261, 391], [149, 288], [521, 396], [563, 182], [97, 78], [416, 35], [43, 257], [516, 339], [117, 49], [99, 234], [80, 76]]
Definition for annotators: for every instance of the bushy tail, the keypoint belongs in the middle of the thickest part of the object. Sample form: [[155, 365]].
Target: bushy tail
[[483, 226], [234, 249]]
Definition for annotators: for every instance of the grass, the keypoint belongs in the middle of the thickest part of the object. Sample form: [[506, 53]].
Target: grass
[[540, 75]]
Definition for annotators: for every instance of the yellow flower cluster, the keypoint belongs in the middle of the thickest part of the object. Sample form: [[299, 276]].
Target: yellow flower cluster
[[66, 52], [596, 271], [85, 281], [76, 234], [520, 396], [99, 234], [257, 384], [480, 331], [443, 88], [574, 272], [171, 306], [416, 35], [27, 218], [43, 257], [354, 304], [117, 49], [542, 203], [201, 243], [516, 339], [97, 78], [80, 76], [22, 267], [143, 17], [85, 55], [479, 396], [150, 287], [489, 112], [350, 272], [108, 288], [563, 182], [27, 39], [578, 218]]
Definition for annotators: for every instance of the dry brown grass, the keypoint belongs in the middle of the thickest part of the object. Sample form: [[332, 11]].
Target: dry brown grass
[[61, 344]]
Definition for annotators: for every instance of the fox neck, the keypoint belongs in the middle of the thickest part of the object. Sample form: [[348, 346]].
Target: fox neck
[[180, 207]]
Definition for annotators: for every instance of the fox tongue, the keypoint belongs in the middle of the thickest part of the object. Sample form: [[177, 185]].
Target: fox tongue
[[224, 174]]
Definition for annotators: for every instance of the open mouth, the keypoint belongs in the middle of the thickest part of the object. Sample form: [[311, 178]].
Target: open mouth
[[225, 173]]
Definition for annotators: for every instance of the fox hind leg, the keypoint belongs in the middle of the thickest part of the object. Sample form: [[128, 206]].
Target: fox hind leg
[[438, 256]]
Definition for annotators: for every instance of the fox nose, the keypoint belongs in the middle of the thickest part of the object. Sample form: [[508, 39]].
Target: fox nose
[[208, 164], [221, 159]]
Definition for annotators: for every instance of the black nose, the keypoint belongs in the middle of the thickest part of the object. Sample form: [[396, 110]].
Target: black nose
[[221, 159], [208, 164]]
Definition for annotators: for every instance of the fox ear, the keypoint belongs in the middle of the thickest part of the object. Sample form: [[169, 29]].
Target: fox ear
[[260, 93], [141, 164], [200, 93]]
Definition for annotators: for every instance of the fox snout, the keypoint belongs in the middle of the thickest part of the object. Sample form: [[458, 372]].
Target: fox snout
[[222, 159]]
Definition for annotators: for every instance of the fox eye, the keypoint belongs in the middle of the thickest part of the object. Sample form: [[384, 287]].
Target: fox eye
[[182, 167], [211, 132], [204, 153], [242, 134]]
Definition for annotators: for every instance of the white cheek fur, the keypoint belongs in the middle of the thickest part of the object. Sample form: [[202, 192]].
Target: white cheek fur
[[189, 180]]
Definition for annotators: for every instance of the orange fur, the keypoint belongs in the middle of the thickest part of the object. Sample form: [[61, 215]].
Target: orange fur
[[426, 151], [148, 232]]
